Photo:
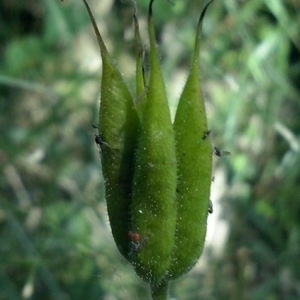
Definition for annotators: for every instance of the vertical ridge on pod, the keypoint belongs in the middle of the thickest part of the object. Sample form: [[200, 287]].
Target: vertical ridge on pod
[[153, 201], [140, 78], [194, 161], [118, 128]]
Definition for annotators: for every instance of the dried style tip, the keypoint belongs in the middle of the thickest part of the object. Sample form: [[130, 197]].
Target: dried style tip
[[199, 29], [150, 10], [97, 32]]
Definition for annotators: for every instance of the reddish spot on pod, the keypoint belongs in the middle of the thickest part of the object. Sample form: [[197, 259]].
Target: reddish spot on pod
[[135, 237]]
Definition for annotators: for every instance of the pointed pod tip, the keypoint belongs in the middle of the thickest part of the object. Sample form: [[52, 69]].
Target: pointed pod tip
[[101, 44], [151, 32], [199, 29], [150, 9], [135, 18], [140, 76], [138, 43], [203, 13], [135, 23]]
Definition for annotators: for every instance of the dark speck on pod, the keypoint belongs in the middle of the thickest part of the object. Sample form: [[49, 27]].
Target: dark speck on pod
[[210, 207], [206, 134]]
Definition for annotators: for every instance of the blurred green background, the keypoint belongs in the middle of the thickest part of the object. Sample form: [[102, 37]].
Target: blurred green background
[[55, 241]]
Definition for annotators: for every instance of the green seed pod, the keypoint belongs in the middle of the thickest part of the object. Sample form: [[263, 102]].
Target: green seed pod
[[118, 128], [153, 210], [194, 161]]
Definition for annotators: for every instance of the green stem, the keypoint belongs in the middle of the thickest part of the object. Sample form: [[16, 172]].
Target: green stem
[[160, 292]]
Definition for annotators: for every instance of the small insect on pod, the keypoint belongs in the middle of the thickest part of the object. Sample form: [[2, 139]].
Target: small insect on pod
[[219, 152], [98, 139]]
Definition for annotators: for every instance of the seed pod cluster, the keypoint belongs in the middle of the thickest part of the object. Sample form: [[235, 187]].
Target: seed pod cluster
[[157, 174]]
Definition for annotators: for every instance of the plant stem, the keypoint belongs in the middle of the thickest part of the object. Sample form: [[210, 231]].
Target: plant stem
[[160, 292]]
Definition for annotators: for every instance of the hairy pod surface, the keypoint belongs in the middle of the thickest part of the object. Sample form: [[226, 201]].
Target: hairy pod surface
[[118, 127], [157, 175], [153, 210], [194, 162]]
